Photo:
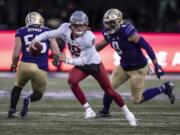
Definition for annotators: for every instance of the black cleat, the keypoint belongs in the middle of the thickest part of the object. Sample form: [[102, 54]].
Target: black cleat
[[169, 91], [25, 108], [12, 113], [102, 114]]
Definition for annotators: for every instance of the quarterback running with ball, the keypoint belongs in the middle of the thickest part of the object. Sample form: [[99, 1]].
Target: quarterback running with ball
[[86, 61]]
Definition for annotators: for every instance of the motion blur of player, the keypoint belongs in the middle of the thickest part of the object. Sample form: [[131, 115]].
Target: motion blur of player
[[81, 43], [126, 41], [30, 68]]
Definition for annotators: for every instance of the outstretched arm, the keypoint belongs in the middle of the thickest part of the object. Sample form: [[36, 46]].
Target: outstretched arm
[[79, 61], [99, 46], [49, 34], [54, 46], [55, 50], [136, 38]]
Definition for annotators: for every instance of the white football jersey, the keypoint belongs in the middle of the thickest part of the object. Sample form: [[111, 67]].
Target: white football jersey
[[82, 49]]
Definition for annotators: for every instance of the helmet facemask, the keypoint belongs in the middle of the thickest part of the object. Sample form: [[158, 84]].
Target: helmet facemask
[[78, 29], [79, 23]]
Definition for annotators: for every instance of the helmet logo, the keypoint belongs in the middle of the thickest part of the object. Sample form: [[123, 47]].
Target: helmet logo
[[112, 20]]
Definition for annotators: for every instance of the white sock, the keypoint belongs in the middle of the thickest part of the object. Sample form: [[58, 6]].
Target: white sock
[[86, 106], [125, 110]]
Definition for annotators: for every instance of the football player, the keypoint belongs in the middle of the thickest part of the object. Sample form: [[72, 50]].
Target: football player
[[30, 68], [86, 61], [126, 41]]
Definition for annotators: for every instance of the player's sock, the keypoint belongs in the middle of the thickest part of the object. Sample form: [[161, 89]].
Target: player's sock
[[152, 92], [15, 94], [125, 110], [107, 100], [86, 106], [35, 96]]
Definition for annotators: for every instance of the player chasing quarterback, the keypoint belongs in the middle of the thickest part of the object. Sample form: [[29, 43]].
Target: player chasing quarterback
[[86, 61], [126, 41], [30, 68]]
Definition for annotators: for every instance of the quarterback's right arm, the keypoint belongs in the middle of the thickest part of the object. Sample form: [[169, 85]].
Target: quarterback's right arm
[[99, 46], [57, 33], [48, 35]]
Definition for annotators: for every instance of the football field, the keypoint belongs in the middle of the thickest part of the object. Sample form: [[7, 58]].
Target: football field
[[59, 113]]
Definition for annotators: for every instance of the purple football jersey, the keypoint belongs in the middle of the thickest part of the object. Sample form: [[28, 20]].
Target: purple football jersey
[[27, 34], [131, 55]]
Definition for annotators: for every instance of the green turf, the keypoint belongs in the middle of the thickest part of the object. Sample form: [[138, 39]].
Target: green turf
[[65, 117], [61, 117]]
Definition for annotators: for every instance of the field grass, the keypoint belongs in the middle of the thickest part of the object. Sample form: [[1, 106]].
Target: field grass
[[65, 116]]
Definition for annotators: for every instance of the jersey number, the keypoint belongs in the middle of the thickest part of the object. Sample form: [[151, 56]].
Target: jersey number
[[75, 51], [29, 38], [115, 45]]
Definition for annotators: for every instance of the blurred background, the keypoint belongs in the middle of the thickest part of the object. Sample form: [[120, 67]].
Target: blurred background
[[157, 20], [146, 15]]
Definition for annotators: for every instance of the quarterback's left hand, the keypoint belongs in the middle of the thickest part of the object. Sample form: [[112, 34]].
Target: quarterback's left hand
[[13, 68], [55, 61], [158, 70], [62, 57]]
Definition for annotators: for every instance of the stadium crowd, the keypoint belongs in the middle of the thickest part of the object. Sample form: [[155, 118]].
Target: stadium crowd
[[147, 16]]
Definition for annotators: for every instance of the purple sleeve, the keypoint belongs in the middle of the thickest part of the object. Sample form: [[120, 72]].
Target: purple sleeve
[[130, 30], [18, 33], [145, 45]]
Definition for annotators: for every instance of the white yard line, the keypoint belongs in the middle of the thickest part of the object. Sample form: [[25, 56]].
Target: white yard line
[[64, 94], [65, 75]]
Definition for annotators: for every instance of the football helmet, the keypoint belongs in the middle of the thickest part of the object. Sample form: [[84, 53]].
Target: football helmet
[[34, 18], [79, 22], [112, 20]]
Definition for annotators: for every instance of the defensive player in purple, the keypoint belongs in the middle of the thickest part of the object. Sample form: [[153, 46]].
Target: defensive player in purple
[[126, 41], [30, 68]]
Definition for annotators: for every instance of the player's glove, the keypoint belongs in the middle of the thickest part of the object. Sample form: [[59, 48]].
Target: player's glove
[[158, 70], [13, 68], [55, 61]]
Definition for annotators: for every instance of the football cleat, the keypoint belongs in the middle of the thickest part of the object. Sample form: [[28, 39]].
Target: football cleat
[[131, 119], [12, 113], [169, 86], [102, 114], [89, 114], [25, 108]]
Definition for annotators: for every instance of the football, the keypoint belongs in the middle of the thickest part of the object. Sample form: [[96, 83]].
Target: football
[[35, 52]]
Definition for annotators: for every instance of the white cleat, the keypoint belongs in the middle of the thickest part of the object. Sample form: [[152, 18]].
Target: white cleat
[[90, 114], [131, 119]]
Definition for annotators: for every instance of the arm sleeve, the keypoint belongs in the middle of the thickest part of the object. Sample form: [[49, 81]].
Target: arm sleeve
[[145, 45], [18, 33], [129, 30], [76, 61], [57, 33], [49, 34]]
